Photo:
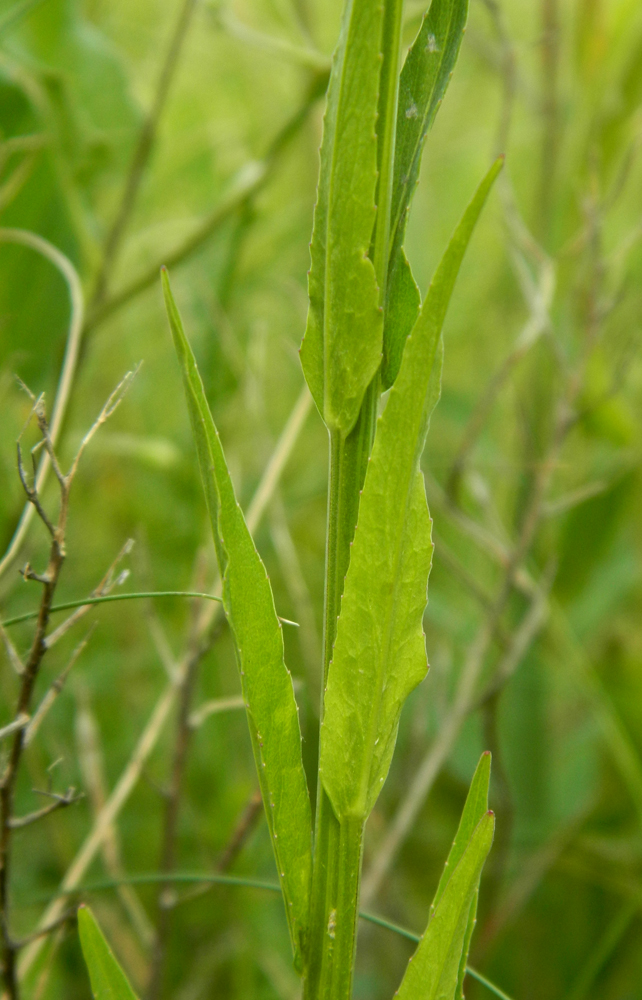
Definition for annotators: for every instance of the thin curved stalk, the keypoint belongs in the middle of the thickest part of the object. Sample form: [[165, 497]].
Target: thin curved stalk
[[70, 361]]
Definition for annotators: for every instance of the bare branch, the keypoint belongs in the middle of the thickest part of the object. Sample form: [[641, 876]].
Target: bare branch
[[76, 323], [90, 758], [151, 733], [296, 584], [15, 726], [54, 691], [142, 152], [12, 652], [162, 645], [104, 588], [112, 404], [68, 917], [59, 802], [213, 707], [245, 186], [32, 494]]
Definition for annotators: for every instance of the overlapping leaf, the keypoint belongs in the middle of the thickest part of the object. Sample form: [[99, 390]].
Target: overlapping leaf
[[379, 654], [266, 682], [108, 981], [424, 79], [341, 350], [433, 971]]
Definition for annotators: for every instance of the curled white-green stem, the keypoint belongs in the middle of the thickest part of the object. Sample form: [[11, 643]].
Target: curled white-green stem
[[72, 279]]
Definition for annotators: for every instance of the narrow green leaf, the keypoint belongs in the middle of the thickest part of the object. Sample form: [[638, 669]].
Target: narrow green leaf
[[475, 807], [379, 655], [433, 970], [424, 80], [266, 682], [341, 350], [387, 137], [465, 948], [108, 981]]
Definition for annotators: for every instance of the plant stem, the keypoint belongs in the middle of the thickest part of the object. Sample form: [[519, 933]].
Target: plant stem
[[342, 924], [142, 153], [348, 463], [338, 846]]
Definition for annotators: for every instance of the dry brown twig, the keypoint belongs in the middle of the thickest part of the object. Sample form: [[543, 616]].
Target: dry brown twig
[[208, 618], [166, 896], [29, 671], [91, 762]]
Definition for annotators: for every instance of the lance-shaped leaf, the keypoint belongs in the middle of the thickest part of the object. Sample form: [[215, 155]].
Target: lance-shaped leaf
[[341, 350], [379, 654], [424, 79], [108, 981], [433, 970], [475, 807], [266, 682]]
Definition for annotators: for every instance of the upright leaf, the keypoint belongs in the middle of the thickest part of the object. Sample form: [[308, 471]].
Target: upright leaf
[[108, 981], [379, 654], [341, 350], [424, 80], [475, 807], [266, 682], [433, 970]]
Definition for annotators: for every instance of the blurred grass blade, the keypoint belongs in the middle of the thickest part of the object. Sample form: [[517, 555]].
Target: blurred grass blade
[[379, 655], [433, 971], [108, 981], [424, 79], [341, 350], [16, 13], [266, 682]]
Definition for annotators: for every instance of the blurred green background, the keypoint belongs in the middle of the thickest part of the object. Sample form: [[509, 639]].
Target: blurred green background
[[187, 133]]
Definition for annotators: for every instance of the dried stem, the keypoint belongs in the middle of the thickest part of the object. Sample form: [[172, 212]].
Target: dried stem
[[247, 184], [167, 863], [13, 727], [54, 691], [144, 147], [149, 737], [49, 581], [92, 769], [68, 371], [59, 802], [550, 112], [31, 668]]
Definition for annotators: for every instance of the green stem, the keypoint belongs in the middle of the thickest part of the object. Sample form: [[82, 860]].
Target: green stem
[[348, 463], [342, 923], [108, 598], [338, 846]]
